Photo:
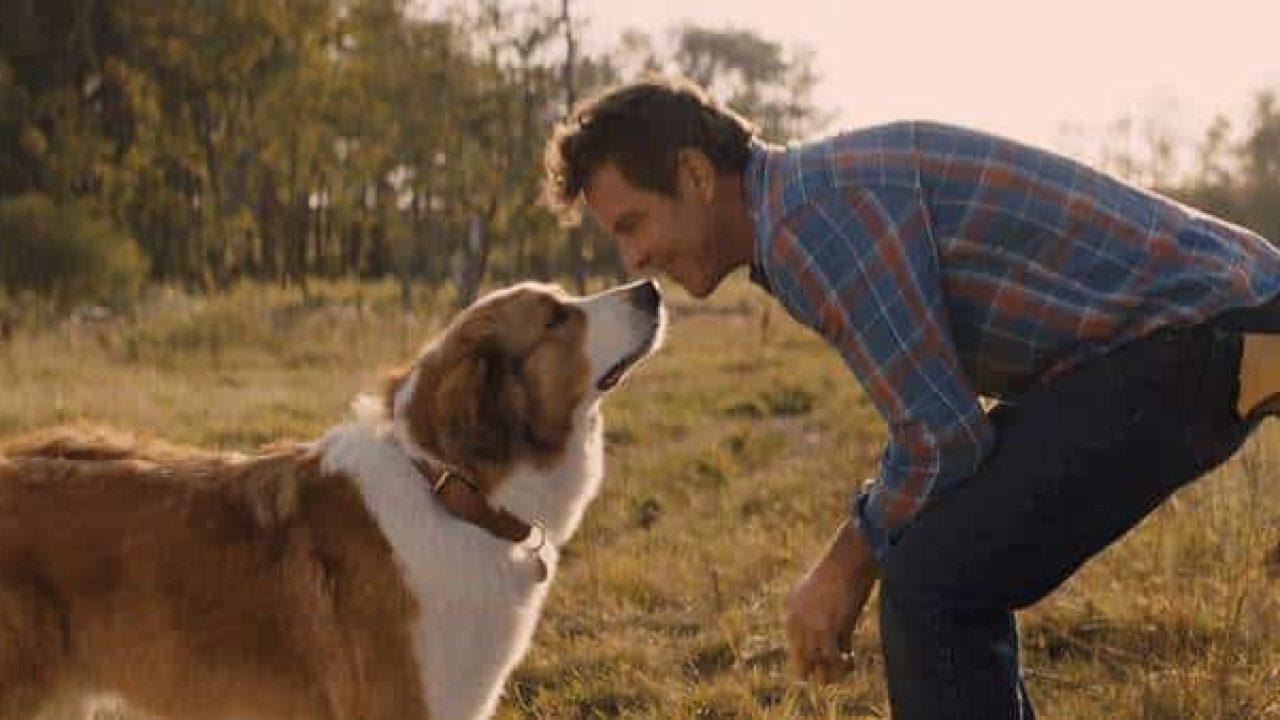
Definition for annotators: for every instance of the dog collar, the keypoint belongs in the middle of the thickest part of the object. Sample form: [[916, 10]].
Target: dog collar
[[463, 499]]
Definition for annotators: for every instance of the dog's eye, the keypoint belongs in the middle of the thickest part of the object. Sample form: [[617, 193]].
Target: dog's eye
[[559, 316]]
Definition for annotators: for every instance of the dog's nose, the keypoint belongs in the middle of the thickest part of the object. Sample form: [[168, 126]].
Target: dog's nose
[[646, 296]]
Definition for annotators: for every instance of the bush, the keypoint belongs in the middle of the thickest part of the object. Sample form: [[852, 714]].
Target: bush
[[66, 253]]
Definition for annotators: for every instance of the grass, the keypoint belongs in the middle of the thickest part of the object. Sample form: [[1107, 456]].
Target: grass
[[730, 459]]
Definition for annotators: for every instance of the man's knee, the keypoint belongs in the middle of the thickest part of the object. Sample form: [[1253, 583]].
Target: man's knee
[[967, 578], [916, 578]]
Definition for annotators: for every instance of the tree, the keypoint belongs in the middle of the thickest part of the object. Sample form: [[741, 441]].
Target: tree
[[287, 139], [755, 76], [65, 251], [1260, 167], [1241, 181]]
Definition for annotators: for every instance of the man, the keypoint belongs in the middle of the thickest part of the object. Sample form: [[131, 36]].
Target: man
[[1124, 334]]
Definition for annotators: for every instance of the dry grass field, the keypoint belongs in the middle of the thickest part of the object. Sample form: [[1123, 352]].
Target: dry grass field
[[730, 460]]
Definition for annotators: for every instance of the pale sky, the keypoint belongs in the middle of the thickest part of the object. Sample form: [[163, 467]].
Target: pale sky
[[1021, 67]]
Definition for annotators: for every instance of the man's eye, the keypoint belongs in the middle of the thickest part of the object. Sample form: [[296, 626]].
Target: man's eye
[[627, 225], [559, 315]]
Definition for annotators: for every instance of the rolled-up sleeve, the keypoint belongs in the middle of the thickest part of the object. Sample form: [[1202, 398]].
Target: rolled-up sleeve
[[861, 268]]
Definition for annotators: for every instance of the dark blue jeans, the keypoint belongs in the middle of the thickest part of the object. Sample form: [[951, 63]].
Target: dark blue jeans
[[1077, 463]]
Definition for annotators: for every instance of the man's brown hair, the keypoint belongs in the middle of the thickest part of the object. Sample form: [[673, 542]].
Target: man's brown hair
[[640, 127]]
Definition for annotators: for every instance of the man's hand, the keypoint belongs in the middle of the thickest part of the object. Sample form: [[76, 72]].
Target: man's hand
[[824, 606]]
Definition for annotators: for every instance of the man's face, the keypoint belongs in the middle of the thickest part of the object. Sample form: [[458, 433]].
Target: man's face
[[659, 234]]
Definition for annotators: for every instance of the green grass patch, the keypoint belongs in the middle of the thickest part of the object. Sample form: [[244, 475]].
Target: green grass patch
[[730, 459]]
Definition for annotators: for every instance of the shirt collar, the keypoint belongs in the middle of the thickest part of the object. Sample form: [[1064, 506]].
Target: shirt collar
[[755, 186]]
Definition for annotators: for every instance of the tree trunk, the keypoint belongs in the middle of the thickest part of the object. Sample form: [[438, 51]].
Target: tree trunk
[[475, 260], [577, 261]]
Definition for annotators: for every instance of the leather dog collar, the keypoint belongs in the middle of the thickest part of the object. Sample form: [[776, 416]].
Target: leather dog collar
[[462, 498]]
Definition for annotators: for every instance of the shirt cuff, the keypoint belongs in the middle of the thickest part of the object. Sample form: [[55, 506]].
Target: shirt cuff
[[877, 538]]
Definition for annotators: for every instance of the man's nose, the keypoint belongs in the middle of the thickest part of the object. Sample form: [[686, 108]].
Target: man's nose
[[633, 258]]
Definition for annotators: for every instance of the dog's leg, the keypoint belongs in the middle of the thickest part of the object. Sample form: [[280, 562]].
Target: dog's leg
[[33, 647], [362, 667]]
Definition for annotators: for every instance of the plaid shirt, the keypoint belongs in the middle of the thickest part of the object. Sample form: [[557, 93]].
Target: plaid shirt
[[944, 263]]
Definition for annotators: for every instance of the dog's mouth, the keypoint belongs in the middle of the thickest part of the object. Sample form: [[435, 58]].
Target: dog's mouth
[[619, 370], [615, 373]]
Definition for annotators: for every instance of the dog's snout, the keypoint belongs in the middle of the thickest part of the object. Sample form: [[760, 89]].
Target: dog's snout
[[646, 296]]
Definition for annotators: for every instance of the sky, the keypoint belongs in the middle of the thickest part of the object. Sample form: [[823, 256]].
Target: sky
[[1053, 73]]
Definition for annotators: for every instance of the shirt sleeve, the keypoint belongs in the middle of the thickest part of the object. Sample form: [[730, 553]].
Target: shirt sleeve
[[861, 268]]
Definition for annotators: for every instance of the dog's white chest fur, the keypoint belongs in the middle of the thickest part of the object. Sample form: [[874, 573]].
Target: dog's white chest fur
[[480, 595]]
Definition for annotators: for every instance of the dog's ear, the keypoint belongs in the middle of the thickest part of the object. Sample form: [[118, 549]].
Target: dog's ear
[[481, 406], [549, 420]]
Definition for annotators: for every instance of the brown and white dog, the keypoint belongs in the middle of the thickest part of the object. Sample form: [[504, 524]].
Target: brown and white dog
[[393, 569]]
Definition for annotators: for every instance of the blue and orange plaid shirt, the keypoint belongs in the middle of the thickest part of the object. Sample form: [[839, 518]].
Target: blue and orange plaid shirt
[[945, 264]]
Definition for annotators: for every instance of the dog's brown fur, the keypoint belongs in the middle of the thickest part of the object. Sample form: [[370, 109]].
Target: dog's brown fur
[[500, 387], [203, 585], [296, 611]]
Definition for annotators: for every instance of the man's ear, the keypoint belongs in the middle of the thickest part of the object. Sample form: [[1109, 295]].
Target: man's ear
[[696, 174]]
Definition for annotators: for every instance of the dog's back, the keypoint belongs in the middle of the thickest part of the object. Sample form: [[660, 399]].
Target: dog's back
[[187, 580], [390, 566]]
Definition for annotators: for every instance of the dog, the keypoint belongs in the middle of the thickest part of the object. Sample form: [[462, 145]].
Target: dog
[[392, 569]]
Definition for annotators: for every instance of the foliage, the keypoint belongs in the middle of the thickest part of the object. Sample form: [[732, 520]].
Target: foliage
[[1235, 172], [65, 252], [303, 139], [292, 140]]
